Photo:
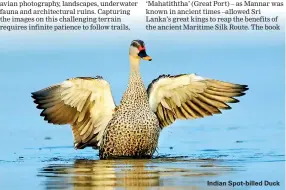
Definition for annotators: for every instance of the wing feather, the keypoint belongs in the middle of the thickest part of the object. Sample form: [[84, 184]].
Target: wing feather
[[189, 110], [221, 98], [80, 102], [190, 96], [184, 113]]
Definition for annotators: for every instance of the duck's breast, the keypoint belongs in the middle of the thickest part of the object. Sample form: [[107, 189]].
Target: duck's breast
[[131, 132]]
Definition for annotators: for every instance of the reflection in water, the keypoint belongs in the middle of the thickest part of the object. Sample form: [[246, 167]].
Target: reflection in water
[[171, 172]]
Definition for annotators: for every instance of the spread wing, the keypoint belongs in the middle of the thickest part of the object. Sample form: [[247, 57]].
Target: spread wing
[[190, 96], [85, 103]]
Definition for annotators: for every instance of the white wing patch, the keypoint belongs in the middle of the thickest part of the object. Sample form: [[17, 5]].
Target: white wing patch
[[170, 87]]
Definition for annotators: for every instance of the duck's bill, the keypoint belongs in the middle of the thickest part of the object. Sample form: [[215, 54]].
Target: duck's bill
[[147, 58], [144, 56]]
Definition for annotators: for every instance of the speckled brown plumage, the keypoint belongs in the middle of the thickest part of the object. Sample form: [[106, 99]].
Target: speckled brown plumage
[[134, 129]]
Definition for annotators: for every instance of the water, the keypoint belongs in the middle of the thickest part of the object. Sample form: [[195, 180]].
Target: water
[[179, 163], [132, 173]]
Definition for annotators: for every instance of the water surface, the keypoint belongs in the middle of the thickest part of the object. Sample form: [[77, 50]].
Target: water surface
[[188, 163]]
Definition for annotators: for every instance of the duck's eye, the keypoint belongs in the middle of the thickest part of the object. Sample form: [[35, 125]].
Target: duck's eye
[[140, 48]]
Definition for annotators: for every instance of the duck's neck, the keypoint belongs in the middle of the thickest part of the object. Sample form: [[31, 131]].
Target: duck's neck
[[134, 70], [136, 90]]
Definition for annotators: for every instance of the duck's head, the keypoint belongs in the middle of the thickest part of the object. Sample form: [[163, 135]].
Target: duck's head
[[137, 49]]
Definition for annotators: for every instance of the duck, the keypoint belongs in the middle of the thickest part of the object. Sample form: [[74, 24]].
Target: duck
[[132, 128]]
